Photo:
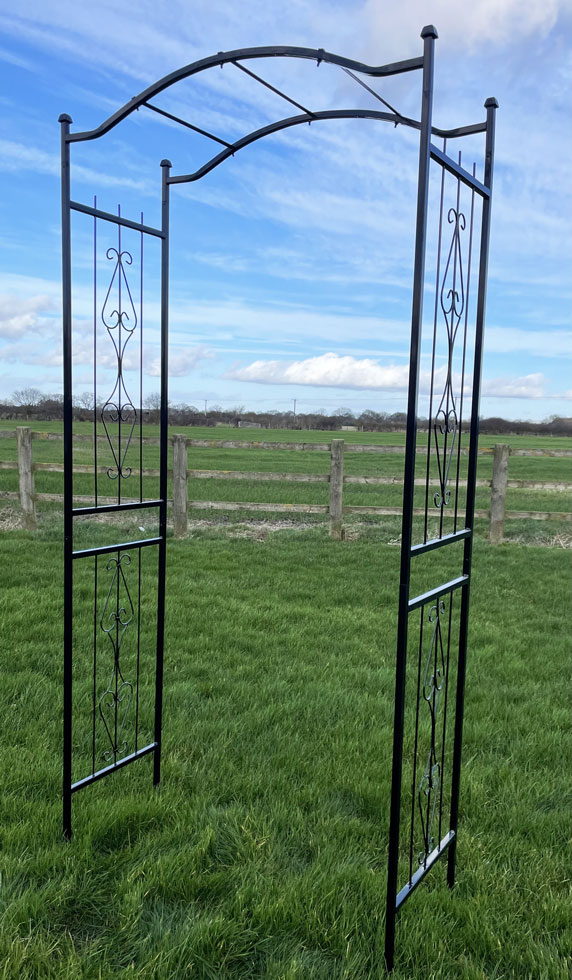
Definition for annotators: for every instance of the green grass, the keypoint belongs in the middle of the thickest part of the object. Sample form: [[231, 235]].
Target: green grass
[[300, 435], [263, 853]]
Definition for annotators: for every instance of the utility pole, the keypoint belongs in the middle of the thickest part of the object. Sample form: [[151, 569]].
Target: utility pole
[[205, 407], [294, 407]]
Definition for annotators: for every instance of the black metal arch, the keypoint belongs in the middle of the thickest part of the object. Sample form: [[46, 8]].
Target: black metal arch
[[248, 54], [232, 57], [443, 627]]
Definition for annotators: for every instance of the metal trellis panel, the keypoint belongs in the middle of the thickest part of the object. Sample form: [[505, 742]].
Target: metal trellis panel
[[117, 434]]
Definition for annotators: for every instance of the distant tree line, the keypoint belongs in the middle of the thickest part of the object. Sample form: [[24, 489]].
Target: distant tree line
[[30, 404]]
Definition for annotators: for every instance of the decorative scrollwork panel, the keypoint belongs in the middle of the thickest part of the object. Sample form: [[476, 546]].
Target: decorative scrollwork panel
[[452, 302], [433, 682], [449, 350], [118, 414], [430, 720], [116, 617]]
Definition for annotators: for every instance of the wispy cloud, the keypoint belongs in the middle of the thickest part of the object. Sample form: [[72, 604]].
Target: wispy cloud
[[529, 386], [15, 157], [331, 370], [14, 59], [480, 22], [20, 314], [539, 343], [181, 362]]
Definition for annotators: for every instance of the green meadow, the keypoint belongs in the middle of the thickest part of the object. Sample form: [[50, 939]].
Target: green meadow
[[263, 852]]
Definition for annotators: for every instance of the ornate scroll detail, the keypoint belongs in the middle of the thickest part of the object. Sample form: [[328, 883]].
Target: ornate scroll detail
[[433, 680], [120, 324], [452, 301], [117, 613]]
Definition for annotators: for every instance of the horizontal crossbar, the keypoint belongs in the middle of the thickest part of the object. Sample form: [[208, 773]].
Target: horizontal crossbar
[[111, 508], [463, 175], [108, 549], [422, 871], [420, 549], [96, 776], [422, 600], [116, 219]]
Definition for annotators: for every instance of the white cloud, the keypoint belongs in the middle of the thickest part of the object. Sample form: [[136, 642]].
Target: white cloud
[[19, 316], [529, 386], [540, 343], [180, 363], [31, 353], [471, 24], [331, 370], [327, 369]]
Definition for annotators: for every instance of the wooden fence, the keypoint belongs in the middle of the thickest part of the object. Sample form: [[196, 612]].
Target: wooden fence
[[335, 509]]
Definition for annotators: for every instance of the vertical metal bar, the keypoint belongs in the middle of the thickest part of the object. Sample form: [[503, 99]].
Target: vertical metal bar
[[119, 366], [138, 669], [140, 486], [94, 693], [65, 121], [166, 168], [117, 645], [444, 730], [95, 351], [416, 743], [490, 105], [428, 34], [141, 368]]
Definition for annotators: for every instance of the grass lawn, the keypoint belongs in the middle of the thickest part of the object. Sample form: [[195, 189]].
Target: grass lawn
[[263, 853]]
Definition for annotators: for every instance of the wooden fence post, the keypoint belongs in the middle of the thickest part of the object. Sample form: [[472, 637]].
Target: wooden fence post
[[26, 477], [336, 488], [180, 474], [498, 492]]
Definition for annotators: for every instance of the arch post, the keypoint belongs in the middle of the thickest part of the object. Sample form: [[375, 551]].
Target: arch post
[[429, 35], [65, 121], [163, 451]]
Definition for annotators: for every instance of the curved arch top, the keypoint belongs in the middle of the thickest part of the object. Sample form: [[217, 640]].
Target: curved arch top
[[242, 54], [239, 55], [281, 124]]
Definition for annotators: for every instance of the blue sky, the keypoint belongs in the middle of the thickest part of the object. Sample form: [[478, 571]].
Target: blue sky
[[292, 262]]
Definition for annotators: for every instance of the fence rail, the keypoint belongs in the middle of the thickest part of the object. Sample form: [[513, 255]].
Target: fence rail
[[180, 473]]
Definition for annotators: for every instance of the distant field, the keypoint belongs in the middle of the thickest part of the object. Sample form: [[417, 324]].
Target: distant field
[[538, 469], [263, 854], [300, 435]]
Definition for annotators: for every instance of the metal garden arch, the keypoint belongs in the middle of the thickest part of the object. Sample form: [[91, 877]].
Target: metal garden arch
[[418, 835]]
